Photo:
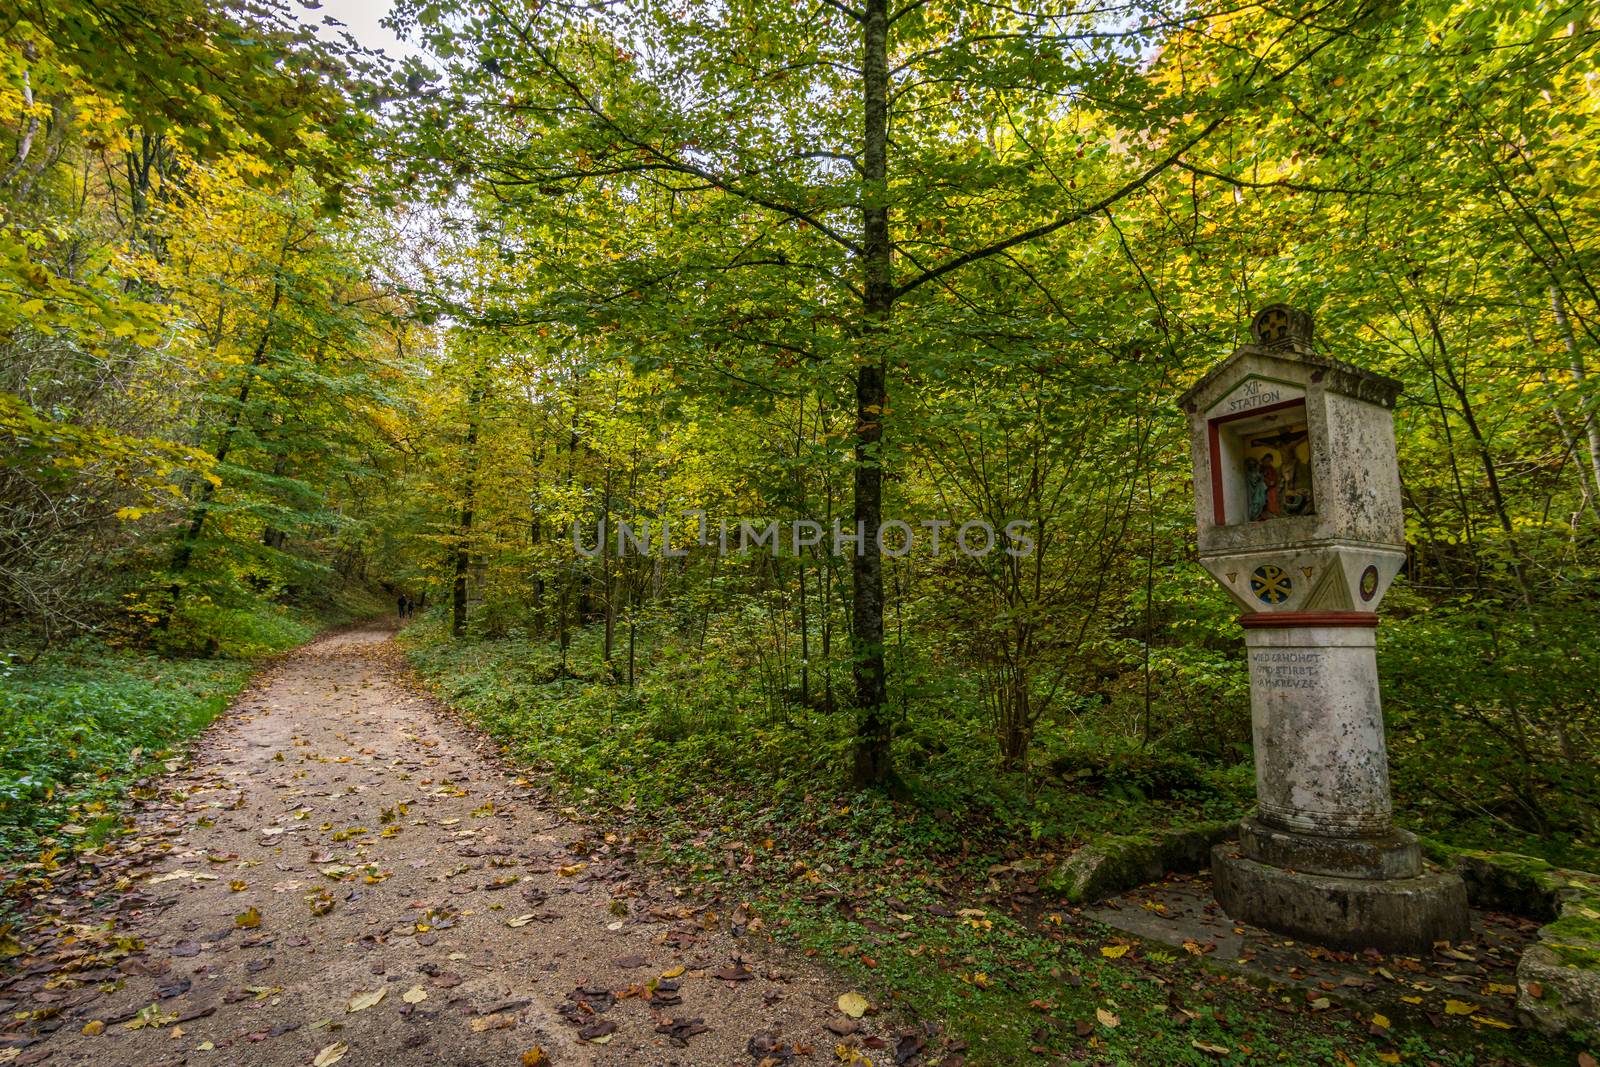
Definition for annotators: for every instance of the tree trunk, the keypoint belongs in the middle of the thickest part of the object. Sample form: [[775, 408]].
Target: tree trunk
[[183, 552], [469, 492], [872, 754], [1586, 407]]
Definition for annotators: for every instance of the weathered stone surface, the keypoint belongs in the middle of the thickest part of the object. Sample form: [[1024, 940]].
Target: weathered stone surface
[[1110, 864], [1405, 915], [1558, 980], [1391, 855], [1348, 412], [1508, 881], [1321, 763]]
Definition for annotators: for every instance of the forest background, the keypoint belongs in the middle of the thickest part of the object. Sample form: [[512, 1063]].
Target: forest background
[[290, 329]]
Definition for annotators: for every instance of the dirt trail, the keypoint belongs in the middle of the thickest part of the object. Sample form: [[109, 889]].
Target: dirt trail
[[491, 923]]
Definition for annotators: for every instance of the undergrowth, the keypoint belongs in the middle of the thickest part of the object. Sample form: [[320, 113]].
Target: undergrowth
[[733, 795]]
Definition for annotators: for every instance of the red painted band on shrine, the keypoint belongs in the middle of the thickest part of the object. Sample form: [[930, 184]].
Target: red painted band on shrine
[[1262, 619]]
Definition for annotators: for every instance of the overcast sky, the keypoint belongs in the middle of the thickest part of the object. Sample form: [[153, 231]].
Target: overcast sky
[[361, 21]]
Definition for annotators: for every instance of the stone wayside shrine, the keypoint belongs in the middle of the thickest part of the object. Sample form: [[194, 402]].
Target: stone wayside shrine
[[1297, 496]]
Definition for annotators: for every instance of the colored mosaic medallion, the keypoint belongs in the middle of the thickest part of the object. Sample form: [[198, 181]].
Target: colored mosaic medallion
[[1369, 582], [1270, 584]]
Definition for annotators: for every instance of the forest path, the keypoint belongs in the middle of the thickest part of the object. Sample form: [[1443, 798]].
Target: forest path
[[333, 786]]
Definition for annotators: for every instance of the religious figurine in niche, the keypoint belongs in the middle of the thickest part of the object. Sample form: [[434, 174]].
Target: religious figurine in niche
[[1285, 487], [1256, 486], [1269, 474], [1296, 475]]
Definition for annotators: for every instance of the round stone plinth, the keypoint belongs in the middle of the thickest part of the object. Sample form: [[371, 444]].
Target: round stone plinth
[[1405, 915], [1395, 854]]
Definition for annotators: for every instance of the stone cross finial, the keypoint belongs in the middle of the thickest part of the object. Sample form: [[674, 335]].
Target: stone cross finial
[[1281, 326]]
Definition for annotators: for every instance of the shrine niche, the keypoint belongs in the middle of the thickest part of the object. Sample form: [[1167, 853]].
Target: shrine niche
[[1260, 442]]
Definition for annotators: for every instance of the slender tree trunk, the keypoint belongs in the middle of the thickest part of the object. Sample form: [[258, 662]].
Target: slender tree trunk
[[607, 579], [873, 735], [469, 492], [1491, 471], [1569, 441], [1586, 407], [183, 552]]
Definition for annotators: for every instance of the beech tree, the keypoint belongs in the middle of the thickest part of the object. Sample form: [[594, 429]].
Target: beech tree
[[843, 159]]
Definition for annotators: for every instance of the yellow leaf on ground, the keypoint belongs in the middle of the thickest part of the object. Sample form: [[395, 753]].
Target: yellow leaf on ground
[[1458, 1007], [247, 920], [535, 1057], [521, 920], [94, 1028], [1114, 952], [415, 995], [363, 1001], [1215, 1050], [1381, 1020], [674, 972], [1109, 1019], [1488, 1020], [853, 1004], [330, 1054]]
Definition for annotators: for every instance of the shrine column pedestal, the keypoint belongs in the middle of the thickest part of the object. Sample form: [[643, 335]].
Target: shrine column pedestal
[[1321, 859]]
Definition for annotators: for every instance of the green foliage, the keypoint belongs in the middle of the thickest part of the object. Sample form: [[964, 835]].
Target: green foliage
[[78, 724], [1491, 714]]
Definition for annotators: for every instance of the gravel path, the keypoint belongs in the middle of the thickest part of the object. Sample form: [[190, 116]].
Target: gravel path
[[342, 874]]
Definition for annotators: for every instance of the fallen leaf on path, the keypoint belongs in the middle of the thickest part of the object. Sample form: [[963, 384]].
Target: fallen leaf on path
[[248, 919], [94, 1028], [493, 1022], [1114, 952], [330, 1054], [599, 1031], [535, 1057], [853, 1004], [363, 1001], [1458, 1007], [1108, 1019]]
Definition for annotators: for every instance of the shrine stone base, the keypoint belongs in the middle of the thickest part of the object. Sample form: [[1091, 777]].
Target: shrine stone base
[[1404, 915], [1394, 854]]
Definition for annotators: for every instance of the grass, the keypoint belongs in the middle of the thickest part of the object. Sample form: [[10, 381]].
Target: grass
[[741, 799], [78, 724]]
